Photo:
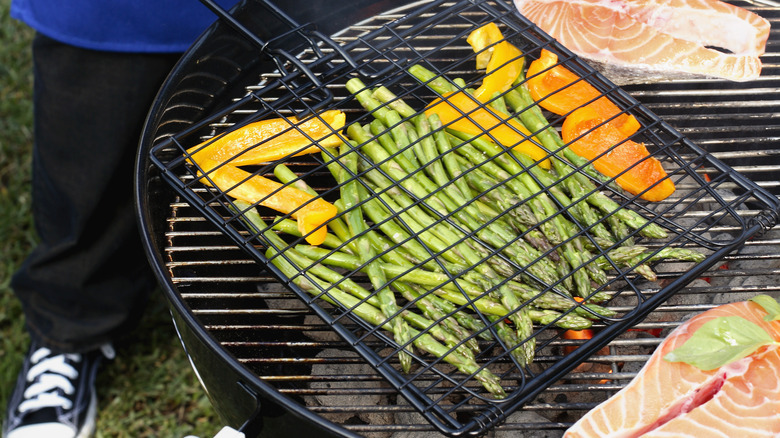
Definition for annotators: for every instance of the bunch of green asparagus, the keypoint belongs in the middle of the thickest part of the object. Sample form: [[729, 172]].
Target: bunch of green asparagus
[[461, 239]]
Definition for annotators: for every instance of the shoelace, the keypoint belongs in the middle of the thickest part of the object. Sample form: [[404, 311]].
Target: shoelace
[[52, 376]]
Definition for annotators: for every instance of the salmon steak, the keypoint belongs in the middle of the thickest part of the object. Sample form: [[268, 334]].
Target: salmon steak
[[656, 39], [676, 399]]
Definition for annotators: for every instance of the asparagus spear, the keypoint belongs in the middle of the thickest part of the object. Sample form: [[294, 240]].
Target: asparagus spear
[[422, 340], [639, 257], [449, 159], [458, 336], [524, 255], [468, 321], [543, 207], [519, 100], [509, 339], [358, 228], [428, 304], [439, 332], [384, 95], [546, 317], [389, 251], [365, 307], [403, 273]]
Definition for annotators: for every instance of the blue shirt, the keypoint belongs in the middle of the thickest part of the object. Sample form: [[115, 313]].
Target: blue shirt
[[151, 26]]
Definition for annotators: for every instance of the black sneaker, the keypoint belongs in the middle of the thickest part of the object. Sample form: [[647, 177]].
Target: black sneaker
[[55, 395]]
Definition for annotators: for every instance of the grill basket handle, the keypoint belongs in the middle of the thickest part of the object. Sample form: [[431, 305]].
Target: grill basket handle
[[278, 55]]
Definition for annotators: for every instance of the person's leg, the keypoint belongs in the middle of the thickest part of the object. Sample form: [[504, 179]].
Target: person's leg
[[88, 279]]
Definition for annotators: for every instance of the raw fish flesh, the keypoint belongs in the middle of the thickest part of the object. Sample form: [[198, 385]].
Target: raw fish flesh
[[675, 399], [707, 22], [650, 40]]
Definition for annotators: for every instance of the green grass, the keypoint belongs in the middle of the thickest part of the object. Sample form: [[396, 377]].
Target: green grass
[[150, 389]]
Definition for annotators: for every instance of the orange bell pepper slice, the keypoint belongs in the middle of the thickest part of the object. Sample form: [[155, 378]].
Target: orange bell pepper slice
[[503, 61], [584, 334], [273, 139], [561, 91], [312, 213], [645, 174], [461, 112]]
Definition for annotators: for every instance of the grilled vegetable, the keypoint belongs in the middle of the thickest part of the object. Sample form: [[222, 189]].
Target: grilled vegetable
[[350, 198], [560, 91], [312, 213], [462, 112], [520, 100], [502, 61], [361, 303], [615, 156], [272, 139]]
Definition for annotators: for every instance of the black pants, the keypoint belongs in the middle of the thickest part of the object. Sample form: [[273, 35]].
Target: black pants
[[88, 279]]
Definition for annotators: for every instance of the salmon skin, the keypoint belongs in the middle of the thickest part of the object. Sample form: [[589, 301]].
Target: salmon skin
[[650, 40], [675, 399]]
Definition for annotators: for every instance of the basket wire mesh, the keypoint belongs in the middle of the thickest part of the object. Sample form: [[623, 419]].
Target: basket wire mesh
[[465, 279]]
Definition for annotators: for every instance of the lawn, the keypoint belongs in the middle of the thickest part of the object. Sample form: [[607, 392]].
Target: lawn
[[150, 389]]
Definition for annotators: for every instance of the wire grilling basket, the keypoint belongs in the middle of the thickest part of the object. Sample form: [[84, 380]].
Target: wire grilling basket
[[449, 261]]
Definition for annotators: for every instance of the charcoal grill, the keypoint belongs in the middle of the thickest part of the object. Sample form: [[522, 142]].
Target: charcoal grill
[[271, 364]]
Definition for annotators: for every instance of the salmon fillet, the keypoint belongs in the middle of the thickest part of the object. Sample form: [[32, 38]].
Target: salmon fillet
[[706, 22], [674, 399], [657, 36]]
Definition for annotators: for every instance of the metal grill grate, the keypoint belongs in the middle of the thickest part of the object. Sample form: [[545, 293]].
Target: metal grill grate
[[709, 214], [266, 328]]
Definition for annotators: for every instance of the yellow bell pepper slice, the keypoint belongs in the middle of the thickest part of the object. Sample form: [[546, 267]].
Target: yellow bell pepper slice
[[482, 40], [312, 213], [503, 61], [266, 141], [273, 139], [461, 112]]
